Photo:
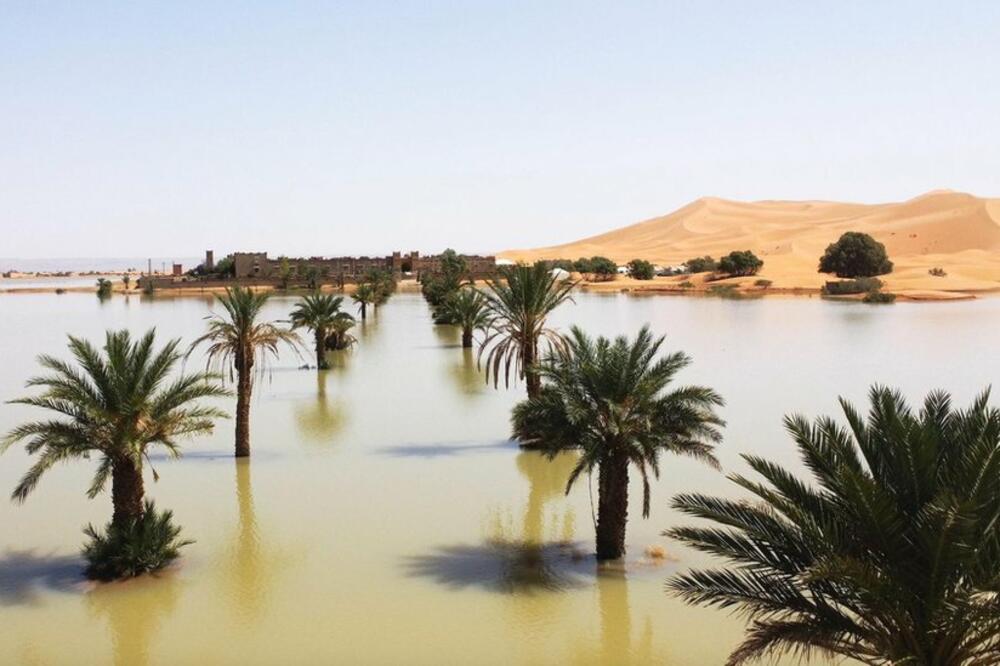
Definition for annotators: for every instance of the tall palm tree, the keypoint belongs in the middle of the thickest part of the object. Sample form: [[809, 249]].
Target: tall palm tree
[[518, 302], [890, 554], [608, 399], [116, 405], [319, 313], [242, 342], [467, 308], [366, 294]]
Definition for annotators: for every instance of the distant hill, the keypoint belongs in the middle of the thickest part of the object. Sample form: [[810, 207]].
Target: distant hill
[[956, 231]]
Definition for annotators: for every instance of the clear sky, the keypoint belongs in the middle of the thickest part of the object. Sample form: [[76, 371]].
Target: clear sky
[[134, 128]]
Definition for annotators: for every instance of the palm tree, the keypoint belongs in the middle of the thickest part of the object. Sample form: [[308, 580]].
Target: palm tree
[[890, 555], [365, 295], [104, 288], [518, 302], [240, 341], [126, 280], [467, 308], [116, 405], [319, 313], [607, 399], [383, 283], [338, 337]]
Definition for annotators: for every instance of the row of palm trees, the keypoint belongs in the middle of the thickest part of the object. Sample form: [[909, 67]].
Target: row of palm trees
[[119, 401], [889, 554]]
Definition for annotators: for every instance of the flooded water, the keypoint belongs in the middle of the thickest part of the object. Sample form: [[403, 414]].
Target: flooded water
[[385, 518]]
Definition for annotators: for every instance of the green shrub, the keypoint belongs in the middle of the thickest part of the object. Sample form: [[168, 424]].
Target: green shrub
[[762, 283], [686, 284], [855, 255], [846, 287], [879, 297], [701, 264], [103, 288], [937, 271], [723, 290], [740, 263], [60, 291], [147, 544], [597, 268], [640, 269]]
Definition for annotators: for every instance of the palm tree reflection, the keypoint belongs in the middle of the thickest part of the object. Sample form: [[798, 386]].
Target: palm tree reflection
[[321, 420], [135, 611]]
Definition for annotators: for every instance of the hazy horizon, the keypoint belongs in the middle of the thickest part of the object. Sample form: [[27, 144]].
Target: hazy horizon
[[305, 129]]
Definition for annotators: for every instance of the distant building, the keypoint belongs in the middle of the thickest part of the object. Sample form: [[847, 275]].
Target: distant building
[[209, 261], [259, 265], [178, 270]]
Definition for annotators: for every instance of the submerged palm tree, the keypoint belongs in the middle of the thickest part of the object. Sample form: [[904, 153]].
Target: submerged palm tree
[[466, 308], [338, 337], [243, 343], [366, 294], [608, 399], [383, 283], [104, 287], [320, 314], [890, 556], [116, 404], [518, 302]]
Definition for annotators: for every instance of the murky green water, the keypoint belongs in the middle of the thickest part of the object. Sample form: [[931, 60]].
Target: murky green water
[[386, 519]]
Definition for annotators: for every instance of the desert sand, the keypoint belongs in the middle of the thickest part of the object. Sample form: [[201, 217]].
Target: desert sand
[[957, 232]]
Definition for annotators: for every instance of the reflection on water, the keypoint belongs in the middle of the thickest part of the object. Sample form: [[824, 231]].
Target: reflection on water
[[321, 419], [384, 492], [546, 481], [135, 611], [522, 557], [618, 644], [465, 373], [246, 576], [448, 335]]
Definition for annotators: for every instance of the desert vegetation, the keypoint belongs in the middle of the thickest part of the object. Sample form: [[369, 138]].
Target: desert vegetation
[[116, 403], [609, 400], [240, 343], [322, 314], [596, 269], [888, 554], [640, 269], [518, 302], [855, 255], [740, 263]]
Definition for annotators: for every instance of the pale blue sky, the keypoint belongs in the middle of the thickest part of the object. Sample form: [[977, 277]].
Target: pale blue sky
[[128, 129]]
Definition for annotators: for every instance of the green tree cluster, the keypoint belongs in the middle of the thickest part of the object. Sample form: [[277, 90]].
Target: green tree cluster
[[855, 254]]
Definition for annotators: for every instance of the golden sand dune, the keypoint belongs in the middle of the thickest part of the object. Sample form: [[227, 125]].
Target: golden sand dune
[[951, 230]]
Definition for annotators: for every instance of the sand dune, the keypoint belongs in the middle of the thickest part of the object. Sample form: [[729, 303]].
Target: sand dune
[[952, 230]]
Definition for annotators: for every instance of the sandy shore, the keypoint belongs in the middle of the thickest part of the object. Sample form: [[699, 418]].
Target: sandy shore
[[956, 232]]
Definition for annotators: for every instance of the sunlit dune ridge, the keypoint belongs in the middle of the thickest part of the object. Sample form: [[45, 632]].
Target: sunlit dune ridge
[[955, 231]]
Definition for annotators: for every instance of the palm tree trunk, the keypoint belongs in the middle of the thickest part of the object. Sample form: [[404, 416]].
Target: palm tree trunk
[[528, 358], [321, 363], [467, 337], [243, 389], [126, 492], [612, 507], [364, 310]]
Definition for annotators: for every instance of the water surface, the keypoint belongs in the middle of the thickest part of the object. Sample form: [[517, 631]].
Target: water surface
[[385, 517]]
